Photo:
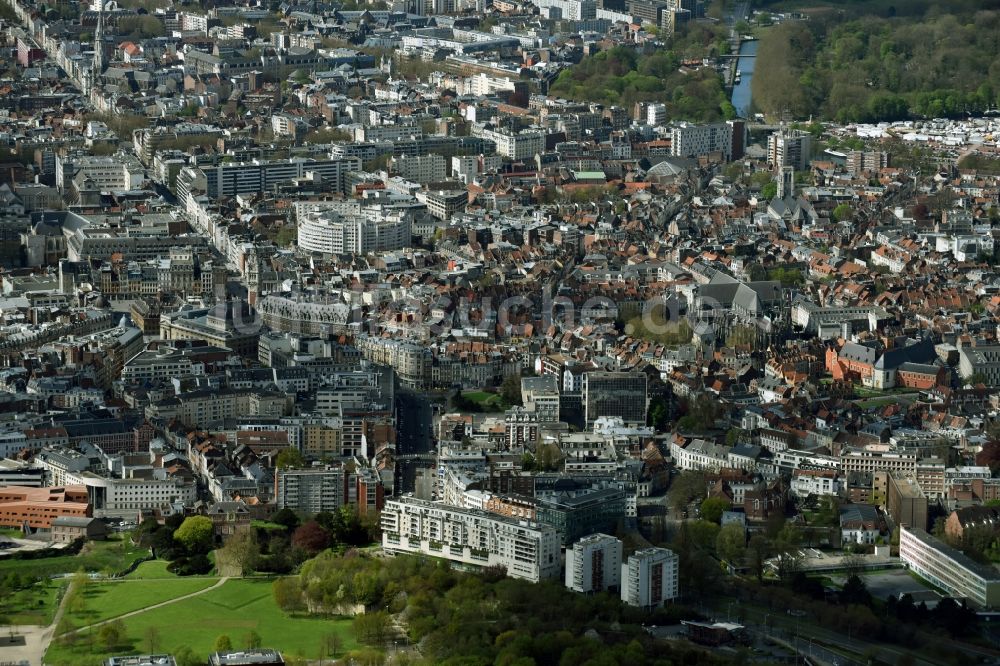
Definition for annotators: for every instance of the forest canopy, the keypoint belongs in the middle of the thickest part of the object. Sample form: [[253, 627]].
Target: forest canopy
[[880, 67], [623, 76]]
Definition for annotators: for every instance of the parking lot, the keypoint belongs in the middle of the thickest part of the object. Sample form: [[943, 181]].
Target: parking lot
[[898, 582]]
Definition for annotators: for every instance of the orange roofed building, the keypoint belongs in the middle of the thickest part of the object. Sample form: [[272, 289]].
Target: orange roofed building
[[40, 506]]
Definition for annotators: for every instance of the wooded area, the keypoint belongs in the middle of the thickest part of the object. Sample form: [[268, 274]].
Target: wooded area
[[880, 66]]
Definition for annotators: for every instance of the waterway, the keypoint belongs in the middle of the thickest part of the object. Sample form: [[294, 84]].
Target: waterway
[[741, 91]]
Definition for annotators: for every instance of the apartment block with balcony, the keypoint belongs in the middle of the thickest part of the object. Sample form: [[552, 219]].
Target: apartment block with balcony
[[649, 578], [471, 537], [594, 563]]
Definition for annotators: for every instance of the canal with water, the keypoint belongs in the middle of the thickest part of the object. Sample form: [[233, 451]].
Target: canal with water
[[745, 65]]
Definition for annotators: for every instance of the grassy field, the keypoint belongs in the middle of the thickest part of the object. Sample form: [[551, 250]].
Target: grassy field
[[35, 605], [234, 609], [486, 400], [105, 600], [154, 569], [101, 556]]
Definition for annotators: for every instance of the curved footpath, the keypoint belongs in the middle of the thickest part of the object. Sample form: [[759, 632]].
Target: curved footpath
[[37, 638]]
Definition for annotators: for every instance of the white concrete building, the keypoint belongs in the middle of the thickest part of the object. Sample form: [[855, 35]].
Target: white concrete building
[[330, 232], [125, 497], [649, 578], [420, 168], [525, 549], [687, 140], [594, 564], [522, 145], [110, 173], [309, 490], [949, 569], [568, 10]]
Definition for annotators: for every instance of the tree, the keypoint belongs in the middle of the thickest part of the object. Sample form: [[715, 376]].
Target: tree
[[372, 628], [510, 389], [152, 636], [252, 641], [286, 518], [758, 551], [290, 457], [731, 544], [195, 534], [659, 413], [288, 594], [240, 552], [547, 457], [184, 656], [855, 592], [311, 537], [842, 212], [769, 191], [223, 643], [332, 644], [689, 485], [712, 508], [111, 634]]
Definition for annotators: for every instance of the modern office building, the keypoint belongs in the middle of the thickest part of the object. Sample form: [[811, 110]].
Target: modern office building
[[471, 537], [649, 578], [541, 396], [578, 513], [594, 564], [621, 394], [227, 180], [330, 232], [949, 569], [38, 507]]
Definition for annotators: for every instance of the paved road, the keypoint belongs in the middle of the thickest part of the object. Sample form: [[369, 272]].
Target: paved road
[[414, 418]]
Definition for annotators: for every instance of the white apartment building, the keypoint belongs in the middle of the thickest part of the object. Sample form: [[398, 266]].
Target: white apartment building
[[420, 168], [687, 140], [949, 569], [649, 578], [700, 454], [309, 490], [525, 549], [330, 232], [594, 564], [568, 10], [110, 173], [656, 114], [789, 148], [823, 482], [522, 145], [466, 168]]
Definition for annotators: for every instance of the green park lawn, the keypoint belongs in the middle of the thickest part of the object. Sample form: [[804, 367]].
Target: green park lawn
[[487, 400], [35, 605], [105, 600], [236, 608], [151, 569], [113, 555]]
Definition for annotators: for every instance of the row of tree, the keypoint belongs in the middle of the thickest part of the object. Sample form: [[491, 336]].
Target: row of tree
[[483, 618]]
